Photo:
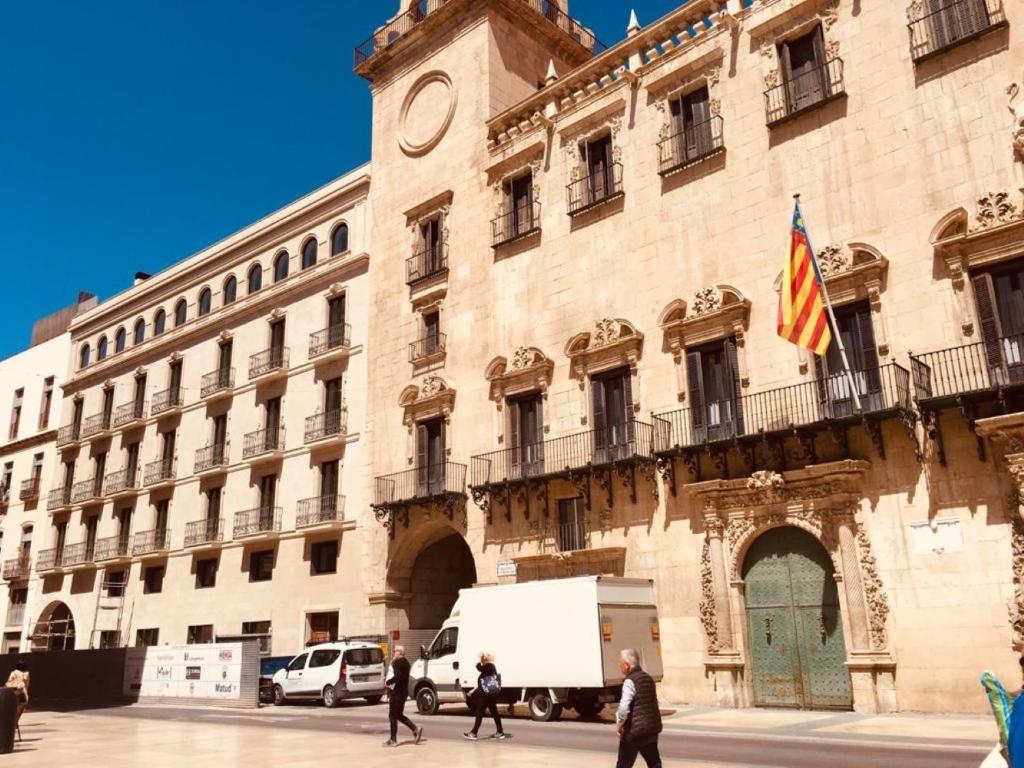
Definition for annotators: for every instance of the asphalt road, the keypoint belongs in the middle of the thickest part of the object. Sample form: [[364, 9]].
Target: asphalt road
[[749, 749]]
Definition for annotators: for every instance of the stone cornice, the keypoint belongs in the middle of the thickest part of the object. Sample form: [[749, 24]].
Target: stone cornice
[[28, 442], [819, 482]]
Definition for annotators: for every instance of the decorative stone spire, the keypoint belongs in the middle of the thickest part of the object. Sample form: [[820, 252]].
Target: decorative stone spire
[[551, 76], [634, 24]]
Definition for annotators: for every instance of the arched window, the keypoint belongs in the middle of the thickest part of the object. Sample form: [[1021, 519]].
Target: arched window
[[309, 253], [83, 356], [205, 301], [120, 339], [101, 349], [255, 278], [180, 313], [339, 240], [230, 289], [140, 331], [159, 322], [281, 266]]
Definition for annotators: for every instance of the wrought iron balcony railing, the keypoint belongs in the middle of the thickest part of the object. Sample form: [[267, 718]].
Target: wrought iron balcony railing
[[954, 22], [566, 537], [412, 485], [320, 509], [160, 471], [630, 440], [112, 548], [263, 441], [167, 400], [426, 263], [148, 542], [221, 380], [804, 92], [29, 489], [328, 424], [599, 187], [17, 569], [48, 559], [257, 521], [268, 361], [690, 145], [209, 530], [85, 490], [968, 369], [69, 434], [77, 554], [519, 222], [427, 347], [211, 457], [129, 412], [96, 424], [121, 481], [58, 497], [332, 339]]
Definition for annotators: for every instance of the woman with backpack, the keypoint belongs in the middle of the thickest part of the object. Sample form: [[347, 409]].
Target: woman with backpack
[[484, 698]]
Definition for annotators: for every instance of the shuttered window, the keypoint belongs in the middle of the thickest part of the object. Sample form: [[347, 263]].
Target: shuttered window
[[803, 68], [999, 305], [834, 386], [713, 384], [526, 435]]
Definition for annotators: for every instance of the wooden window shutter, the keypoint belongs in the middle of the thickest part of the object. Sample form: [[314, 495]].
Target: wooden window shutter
[[868, 351], [695, 385], [733, 362], [988, 318], [600, 417], [514, 437], [627, 397], [421, 452]]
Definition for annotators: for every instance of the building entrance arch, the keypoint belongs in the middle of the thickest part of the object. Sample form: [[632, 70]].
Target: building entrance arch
[[429, 570], [55, 630]]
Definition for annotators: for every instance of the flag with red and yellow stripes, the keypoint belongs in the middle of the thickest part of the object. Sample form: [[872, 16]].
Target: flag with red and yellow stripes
[[802, 316]]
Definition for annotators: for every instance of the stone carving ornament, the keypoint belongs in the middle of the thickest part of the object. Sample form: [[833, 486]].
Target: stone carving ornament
[[1016, 107], [994, 209], [705, 301], [832, 259], [432, 385], [572, 144], [874, 594], [1016, 607], [708, 619]]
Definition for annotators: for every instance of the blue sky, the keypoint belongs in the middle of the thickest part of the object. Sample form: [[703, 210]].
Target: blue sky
[[135, 133]]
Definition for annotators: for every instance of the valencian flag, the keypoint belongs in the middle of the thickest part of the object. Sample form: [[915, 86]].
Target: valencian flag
[[802, 316]]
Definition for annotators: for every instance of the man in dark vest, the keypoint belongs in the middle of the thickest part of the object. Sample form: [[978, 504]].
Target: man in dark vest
[[638, 719], [398, 685]]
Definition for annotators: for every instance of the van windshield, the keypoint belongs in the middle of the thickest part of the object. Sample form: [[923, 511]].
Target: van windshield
[[445, 643]]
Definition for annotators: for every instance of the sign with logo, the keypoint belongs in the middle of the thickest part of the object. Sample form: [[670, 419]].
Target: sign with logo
[[185, 672], [193, 673], [507, 568]]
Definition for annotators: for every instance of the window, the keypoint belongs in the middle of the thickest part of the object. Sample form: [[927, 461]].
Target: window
[[339, 240], [519, 218], [83, 356], [44, 407], [255, 281], [430, 457], [180, 313], [19, 395], [445, 644], [299, 662], [205, 302], [199, 633], [322, 627], [432, 246], [159, 322], [612, 398], [154, 580], [230, 290], [691, 126], [597, 158], [999, 305], [364, 657], [206, 573], [110, 638], [323, 658], [944, 23], [120, 340], [116, 581], [261, 565], [101, 349], [526, 434], [5, 482], [572, 525], [147, 638], [804, 71], [139, 334], [713, 381], [261, 629], [323, 557], [432, 333], [281, 267], [309, 253], [857, 333]]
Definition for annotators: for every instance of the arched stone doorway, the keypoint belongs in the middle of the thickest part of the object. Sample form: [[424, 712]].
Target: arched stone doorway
[[794, 628], [429, 569], [55, 630]]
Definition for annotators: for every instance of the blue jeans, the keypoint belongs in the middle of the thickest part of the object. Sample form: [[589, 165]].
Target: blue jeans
[[628, 753]]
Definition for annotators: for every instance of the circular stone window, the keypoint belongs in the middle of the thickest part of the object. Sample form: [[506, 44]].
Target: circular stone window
[[427, 112]]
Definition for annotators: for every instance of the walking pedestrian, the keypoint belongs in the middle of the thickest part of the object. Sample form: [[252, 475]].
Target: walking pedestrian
[[638, 719], [484, 698], [18, 680], [398, 685]]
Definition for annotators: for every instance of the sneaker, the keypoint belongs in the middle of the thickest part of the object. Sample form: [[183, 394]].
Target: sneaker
[[390, 743], [470, 736], [501, 736], [419, 734]]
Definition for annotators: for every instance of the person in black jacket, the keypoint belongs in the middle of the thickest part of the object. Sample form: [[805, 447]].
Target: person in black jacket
[[480, 700], [398, 685], [638, 719]]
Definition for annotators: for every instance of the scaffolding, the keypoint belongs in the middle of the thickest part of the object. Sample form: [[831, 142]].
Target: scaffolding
[[53, 635], [109, 602]]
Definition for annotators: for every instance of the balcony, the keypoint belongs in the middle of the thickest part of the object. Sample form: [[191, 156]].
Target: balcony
[[69, 436], [262, 522], [954, 23], [518, 223], [329, 426], [77, 556], [441, 486], [804, 92], [269, 364], [167, 402], [154, 543], [96, 427], [29, 490], [264, 445], [112, 549], [17, 569], [217, 384], [122, 483], [15, 615], [599, 187], [689, 146], [160, 472], [428, 263], [321, 512], [129, 415], [59, 499], [48, 560], [87, 491], [427, 350], [205, 533], [331, 343], [211, 459]]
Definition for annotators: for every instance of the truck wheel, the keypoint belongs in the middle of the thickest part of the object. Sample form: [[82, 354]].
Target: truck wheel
[[588, 709], [330, 697], [278, 696], [542, 708], [426, 701]]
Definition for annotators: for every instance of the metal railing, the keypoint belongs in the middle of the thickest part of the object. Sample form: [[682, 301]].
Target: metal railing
[[211, 457], [48, 559], [428, 346], [439, 479], [263, 441], [77, 554], [594, 189], [129, 412], [633, 439], [166, 400], [781, 410], [15, 614], [693, 143], [58, 497], [18, 568], [969, 368], [213, 382], [112, 547], [120, 481], [95, 424], [68, 434], [29, 489], [327, 424], [160, 471], [953, 23], [566, 537], [426, 263], [87, 489], [209, 530], [805, 91], [268, 361], [256, 521], [147, 542], [330, 339], [518, 222], [320, 509]]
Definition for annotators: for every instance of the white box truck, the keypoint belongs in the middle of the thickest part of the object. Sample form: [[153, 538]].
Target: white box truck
[[556, 644]]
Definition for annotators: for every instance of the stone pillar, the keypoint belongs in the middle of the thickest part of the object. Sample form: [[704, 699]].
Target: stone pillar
[[855, 606], [720, 584]]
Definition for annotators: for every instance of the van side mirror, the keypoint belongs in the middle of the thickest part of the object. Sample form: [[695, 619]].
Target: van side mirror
[[424, 653]]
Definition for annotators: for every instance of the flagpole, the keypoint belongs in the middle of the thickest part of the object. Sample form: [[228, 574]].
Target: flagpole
[[828, 308]]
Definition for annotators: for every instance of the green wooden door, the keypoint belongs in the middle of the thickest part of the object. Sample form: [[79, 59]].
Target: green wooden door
[[793, 624]]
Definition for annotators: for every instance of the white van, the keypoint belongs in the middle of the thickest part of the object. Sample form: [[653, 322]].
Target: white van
[[332, 672]]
